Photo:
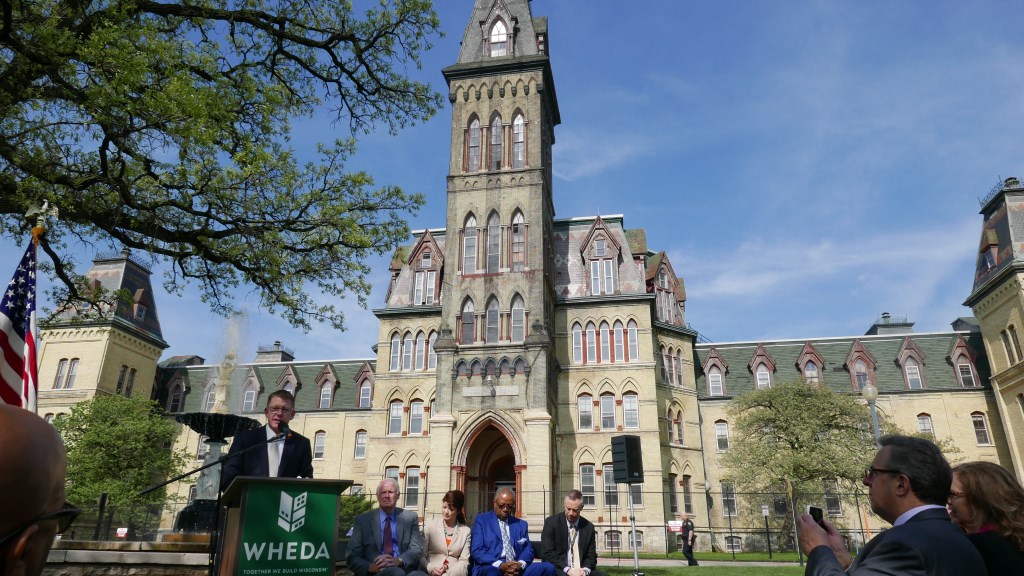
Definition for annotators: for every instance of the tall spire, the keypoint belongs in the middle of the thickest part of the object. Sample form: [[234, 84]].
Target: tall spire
[[502, 29]]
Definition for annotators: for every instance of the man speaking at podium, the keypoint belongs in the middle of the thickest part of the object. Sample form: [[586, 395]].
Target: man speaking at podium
[[288, 458]]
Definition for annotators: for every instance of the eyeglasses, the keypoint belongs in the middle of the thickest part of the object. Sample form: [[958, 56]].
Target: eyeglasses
[[64, 517], [279, 410], [505, 506], [870, 472]]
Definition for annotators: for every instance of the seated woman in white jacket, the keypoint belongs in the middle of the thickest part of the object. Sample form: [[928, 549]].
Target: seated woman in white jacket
[[446, 539]]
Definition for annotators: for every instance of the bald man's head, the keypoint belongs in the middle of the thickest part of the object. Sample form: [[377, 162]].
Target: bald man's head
[[32, 484]]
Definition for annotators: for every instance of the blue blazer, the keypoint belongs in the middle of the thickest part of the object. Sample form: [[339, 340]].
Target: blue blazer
[[296, 458], [485, 542]]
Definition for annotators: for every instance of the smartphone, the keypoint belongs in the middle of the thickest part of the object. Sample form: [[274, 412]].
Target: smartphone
[[816, 513]]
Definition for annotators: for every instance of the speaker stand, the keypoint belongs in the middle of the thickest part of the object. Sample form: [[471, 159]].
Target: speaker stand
[[632, 534]]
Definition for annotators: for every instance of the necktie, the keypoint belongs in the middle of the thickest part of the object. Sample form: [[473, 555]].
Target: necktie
[[389, 544], [273, 458], [506, 542], [575, 547]]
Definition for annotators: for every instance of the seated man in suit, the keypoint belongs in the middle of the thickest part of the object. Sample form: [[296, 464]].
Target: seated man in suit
[[569, 540], [289, 458], [386, 541], [908, 485], [500, 542]]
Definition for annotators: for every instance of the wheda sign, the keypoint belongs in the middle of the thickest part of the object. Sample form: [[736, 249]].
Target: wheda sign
[[288, 528]]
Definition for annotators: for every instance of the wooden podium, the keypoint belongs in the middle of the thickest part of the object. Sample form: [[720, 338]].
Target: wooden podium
[[286, 526]]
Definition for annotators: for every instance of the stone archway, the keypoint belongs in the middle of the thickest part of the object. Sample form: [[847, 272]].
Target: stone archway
[[490, 465]]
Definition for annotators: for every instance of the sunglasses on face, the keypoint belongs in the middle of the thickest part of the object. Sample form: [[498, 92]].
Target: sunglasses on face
[[64, 517]]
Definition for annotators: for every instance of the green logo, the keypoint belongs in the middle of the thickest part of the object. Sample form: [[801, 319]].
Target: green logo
[[293, 512], [288, 532]]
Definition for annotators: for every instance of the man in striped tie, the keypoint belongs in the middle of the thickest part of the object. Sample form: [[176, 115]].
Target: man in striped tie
[[500, 542], [569, 540]]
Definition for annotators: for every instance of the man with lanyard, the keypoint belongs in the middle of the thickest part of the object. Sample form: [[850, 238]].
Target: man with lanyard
[[569, 540], [386, 541]]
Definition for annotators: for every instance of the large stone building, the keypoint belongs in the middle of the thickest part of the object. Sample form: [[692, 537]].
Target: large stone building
[[513, 345]]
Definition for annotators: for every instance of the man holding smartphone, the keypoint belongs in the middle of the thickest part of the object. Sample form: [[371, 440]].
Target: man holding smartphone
[[689, 539], [908, 484]]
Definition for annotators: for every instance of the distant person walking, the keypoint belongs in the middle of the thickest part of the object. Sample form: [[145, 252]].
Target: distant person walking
[[689, 537]]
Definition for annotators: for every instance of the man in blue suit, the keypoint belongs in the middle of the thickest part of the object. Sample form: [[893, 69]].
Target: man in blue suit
[[500, 542], [908, 484], [288, 458]]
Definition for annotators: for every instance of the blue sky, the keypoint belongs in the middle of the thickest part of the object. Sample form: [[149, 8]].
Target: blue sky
[[805, 165]]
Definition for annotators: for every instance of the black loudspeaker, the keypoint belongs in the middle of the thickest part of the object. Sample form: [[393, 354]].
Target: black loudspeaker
[[627, 460]]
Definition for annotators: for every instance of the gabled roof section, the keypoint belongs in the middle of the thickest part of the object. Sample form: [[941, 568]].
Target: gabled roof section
[[809, 353], [326, 372], [519, 23], [1002, 235], [571, 275], [364, 371], [761, 356], [909, 348], [960, 346], [598, 228], [285, 374], [714, 358], [138, 315], [857, 350]]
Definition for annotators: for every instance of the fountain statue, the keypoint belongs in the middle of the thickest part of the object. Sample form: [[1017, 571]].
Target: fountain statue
[[217, 425]]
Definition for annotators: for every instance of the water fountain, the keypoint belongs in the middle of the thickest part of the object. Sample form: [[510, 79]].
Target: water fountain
[[217, 425]]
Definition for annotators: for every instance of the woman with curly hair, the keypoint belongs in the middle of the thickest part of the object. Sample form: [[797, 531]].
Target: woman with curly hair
[[988, 503]]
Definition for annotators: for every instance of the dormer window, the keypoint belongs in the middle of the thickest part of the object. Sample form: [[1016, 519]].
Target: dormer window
[[499, 39], [140, 312], [425, 259], [599, 247]]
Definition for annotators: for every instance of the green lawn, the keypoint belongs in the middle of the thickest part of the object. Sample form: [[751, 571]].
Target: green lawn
[[736, 570]]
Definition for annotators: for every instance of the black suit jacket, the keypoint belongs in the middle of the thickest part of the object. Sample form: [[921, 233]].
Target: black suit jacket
[[1001, 557], [554, 542], [926, 545], [296, 458]]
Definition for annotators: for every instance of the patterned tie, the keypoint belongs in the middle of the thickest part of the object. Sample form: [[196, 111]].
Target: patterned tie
[[575, 547], [506, 542], [389, 544]]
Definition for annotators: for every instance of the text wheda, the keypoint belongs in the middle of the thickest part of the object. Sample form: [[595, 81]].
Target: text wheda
[[285, 551]]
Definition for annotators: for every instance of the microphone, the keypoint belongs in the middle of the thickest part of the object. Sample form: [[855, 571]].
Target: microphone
[[286, 432]]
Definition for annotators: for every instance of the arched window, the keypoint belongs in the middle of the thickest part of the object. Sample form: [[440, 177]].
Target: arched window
[[493, 243], [518, 242], [980, 428], [326, 394], [431, 354], [585, 407], [924, 424], [811, 372], [364, 394], [1010, 358], [209, 397], [421, 350], [289, 386], [496, 138], [606, 344], [407, 351], [913, 374], [469, 246], [468, 324], [416, 417], [607, 412], [618, 338], [518, 319], [764, 377], [965, 372], [577, 343], [493, 317], [396, 352], [634, 345], [62, 366], [175, 399], [722, 435], [860, 372], [249, 395], [715, 383], [474, 146], [319, 445], [679, 427], [518, 142], [360, 450], [73, 371], [591, 343], [499, 39], [630, 410], [395, 418]]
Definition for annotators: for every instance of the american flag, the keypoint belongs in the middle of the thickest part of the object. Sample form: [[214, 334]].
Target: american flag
[[19, 375]]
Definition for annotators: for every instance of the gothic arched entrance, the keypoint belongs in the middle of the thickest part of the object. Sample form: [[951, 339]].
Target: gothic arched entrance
[[490, 465]]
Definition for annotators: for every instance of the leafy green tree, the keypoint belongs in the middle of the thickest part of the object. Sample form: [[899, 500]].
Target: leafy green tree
[[801, 433], [166, 128], [350, 506], [118, 446]]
